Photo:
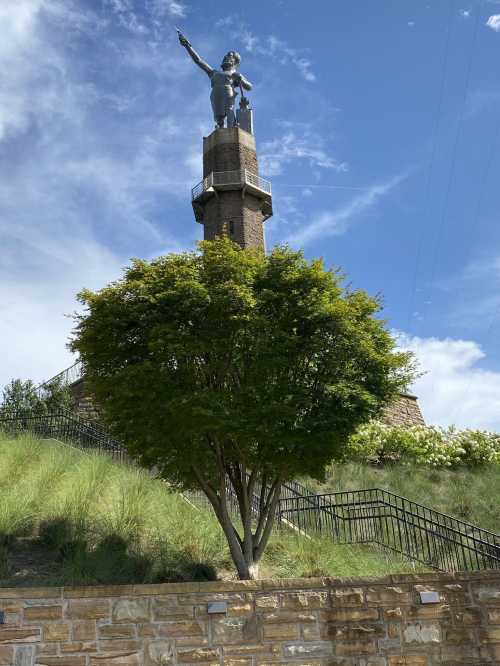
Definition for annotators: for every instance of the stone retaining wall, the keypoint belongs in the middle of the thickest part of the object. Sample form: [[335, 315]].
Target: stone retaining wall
[[304, 622]]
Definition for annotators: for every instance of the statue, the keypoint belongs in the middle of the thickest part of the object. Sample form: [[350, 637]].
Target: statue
[[224, 82]]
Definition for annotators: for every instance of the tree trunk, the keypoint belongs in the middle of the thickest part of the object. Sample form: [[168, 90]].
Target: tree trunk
[[246, 550]]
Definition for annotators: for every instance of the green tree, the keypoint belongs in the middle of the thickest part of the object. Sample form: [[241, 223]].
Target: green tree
[[232, 372], [56, 396], [20, 397]]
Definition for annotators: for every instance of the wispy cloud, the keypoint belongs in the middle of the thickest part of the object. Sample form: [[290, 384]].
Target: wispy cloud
[[494, 22], [480, 100], [336, 222], [464, 13], [297, 143], [269, 46]]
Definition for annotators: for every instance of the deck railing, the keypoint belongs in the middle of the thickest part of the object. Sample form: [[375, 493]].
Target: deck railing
[[238, 177]]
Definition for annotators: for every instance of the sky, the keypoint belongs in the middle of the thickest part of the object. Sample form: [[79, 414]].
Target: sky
[[378, 125]]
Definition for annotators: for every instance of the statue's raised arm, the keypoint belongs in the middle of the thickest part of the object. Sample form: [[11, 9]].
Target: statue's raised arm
[[195, 56]]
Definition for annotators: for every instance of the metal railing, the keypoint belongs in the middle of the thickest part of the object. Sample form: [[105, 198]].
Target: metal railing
[[239, 177], [376, 516], [66, 427], [68, 376], [372, 516]]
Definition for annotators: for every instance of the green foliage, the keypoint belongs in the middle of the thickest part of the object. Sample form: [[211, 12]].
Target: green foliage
[[21, 397], [437, 447], [24, 398], [211, 364], [270, 357], [89, 520]]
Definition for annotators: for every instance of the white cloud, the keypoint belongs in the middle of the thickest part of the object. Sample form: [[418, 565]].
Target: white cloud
[[276, 154], [268, 46], [336, 222], [494, 22], [464, 13], [455, 390], [86, 162]]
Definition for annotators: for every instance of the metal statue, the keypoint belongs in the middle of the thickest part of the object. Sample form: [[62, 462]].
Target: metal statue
[[224, 83]]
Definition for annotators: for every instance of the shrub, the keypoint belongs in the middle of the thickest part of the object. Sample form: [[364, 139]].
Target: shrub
[[378, 443]]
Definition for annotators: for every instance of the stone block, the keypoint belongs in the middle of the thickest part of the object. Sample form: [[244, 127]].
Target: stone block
[[408, 660], [147, 630], [89, 609], [46, 649], [160, 652], [66, 660], [347, 596], [6, 655], [305, 600], [467, 617], [355, 632], [350, 614], [266, 601], [56, 631], [35, 613], [249, 649], [181, 629], [387, 594], [430, 612], [281, 631], [205, 655], [489, 594], [84, 631], [494, 616], [458, 636], [285, 617], [19, 635], [131, 610], [422, 633], [124, 659], [311, 632], [304, 650], [227, 630], [489, 635], [119, 645], [78, 646], [169, 609], [117, 630], [23, 655], [356, 649]]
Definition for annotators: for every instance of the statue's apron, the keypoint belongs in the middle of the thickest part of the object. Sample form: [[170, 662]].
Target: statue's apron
[[222, 95]]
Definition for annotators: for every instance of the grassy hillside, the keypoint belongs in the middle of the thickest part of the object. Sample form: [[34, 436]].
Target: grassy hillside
[[469, 494], [67, 517]]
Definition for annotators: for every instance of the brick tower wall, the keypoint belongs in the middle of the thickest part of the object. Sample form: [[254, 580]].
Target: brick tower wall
[[235, 213]]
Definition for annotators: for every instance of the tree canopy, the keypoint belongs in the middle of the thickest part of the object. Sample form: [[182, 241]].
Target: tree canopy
[[232, 372]]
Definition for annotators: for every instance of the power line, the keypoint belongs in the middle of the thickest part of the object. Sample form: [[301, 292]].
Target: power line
[[437, 123], [456, 143]]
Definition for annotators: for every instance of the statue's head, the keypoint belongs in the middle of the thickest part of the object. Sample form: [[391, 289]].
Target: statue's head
[[231, 60]]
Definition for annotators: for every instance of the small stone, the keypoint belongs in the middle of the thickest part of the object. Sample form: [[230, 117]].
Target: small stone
[[131, 610], [160, 652], [422, 633]]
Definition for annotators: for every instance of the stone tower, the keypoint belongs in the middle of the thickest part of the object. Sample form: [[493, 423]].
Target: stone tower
[[232, 199]]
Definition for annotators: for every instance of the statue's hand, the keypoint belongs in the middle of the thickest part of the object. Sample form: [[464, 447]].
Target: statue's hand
[[183, 40], [237, 79]]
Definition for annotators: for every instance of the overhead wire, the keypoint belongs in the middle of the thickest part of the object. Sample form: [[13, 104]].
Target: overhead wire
[[430, 170], [456, 143]]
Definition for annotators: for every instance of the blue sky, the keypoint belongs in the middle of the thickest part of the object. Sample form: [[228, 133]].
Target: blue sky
[[378, 124]]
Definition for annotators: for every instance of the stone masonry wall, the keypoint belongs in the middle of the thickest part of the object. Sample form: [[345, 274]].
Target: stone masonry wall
[[404, 411], [303, 622]]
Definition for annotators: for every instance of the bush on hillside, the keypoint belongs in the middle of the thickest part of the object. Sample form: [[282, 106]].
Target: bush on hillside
[[378, 443]]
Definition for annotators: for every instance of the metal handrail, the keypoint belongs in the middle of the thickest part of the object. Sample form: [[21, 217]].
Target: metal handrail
[[68, 376], [371, 516], [240, 177]]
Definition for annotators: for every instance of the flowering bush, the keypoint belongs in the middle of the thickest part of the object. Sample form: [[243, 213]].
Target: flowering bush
[[379, 443]]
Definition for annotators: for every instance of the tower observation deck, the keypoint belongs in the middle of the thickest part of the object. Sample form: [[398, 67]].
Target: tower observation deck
[[232, 199]]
